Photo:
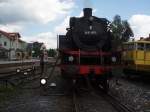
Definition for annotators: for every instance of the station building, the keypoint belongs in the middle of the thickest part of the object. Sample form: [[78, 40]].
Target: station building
[[11, 45]]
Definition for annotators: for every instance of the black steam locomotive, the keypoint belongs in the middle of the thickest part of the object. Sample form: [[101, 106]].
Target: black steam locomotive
[[85, 50]]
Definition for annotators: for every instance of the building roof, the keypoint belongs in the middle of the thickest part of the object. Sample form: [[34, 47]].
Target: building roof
[[21, 41], [10, 35], [14, 34], [139, 41], [142, 40], [145, 39], [4, 33]]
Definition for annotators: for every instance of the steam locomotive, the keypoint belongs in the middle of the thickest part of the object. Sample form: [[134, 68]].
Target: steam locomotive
[[85, 50]]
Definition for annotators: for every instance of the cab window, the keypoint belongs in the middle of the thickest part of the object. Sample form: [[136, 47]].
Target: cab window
[[140, 46], [147, 47]]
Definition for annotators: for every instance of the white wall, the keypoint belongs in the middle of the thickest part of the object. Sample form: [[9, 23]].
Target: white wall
[[4, 39]]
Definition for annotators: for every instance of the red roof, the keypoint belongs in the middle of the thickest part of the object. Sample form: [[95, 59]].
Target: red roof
[[4, 33], [10, 35], [15, 34]]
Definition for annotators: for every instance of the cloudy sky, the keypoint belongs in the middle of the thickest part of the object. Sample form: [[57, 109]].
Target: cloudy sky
[[43, 20]]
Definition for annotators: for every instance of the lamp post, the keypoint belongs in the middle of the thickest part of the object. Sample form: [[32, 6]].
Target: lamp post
[[32, 52]]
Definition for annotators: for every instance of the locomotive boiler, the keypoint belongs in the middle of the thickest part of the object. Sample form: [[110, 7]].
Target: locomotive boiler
[[85, 50]]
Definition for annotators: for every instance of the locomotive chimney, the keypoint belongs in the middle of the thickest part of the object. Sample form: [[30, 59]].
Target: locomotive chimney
[[87, 12]]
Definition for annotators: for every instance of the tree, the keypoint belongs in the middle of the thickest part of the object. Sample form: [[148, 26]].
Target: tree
[[51, 52], [34, 49], [121, 31], [127, 31]]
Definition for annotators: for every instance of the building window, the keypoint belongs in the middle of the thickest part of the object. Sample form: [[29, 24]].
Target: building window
[[5, 43]]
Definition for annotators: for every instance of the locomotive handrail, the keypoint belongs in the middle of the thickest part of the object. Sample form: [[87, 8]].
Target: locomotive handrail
[[76, 53]]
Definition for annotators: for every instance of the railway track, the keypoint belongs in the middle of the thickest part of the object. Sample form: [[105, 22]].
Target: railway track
[[13, 69], [120, 107], [18, 73], [101, 104], [97, 101], [76, 107]]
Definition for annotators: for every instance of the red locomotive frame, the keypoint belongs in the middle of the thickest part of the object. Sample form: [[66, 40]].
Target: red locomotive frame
[[84, 70]]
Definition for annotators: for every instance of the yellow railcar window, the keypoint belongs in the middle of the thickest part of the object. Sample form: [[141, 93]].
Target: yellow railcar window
[[147, 47], [140, 46], [130, 46]]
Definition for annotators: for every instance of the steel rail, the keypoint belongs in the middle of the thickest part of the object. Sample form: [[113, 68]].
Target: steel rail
[[117, 104], [76, 107], [15, 79], [15, 73]]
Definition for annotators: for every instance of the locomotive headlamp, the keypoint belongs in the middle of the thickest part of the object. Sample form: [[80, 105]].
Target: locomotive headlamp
[[71, 58], [18, 70], [43, 81], [113, 59]]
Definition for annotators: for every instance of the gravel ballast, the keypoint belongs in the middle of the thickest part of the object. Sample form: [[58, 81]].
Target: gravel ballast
[[131, 94]]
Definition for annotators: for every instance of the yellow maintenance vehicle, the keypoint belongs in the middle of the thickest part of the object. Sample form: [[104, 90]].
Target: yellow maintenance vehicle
[[136, 57]]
